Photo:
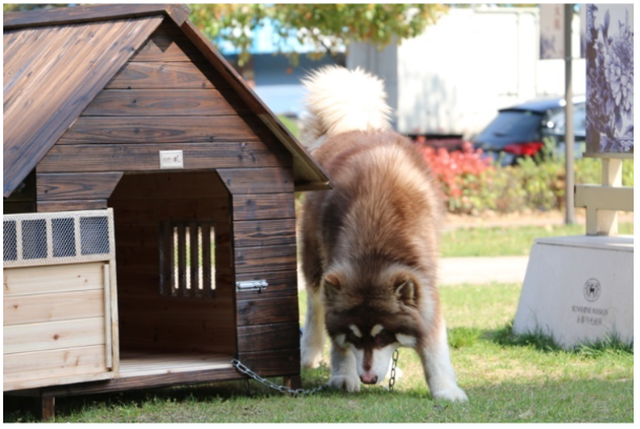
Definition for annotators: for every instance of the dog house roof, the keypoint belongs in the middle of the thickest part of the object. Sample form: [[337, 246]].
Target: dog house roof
[[57, 61]]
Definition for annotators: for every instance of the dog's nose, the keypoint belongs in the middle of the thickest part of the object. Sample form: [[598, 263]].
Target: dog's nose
[[369, 378]]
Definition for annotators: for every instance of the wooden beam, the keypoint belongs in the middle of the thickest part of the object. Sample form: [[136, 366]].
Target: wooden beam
[[46, 407], [607, 220], [76, 186], [605, 197], [273, 232], [273, 363], [52, 367], [92, 13], [160, 102], [146, 382], [617, 155], [53, 307], [146, 157], [292, 382], [263, 206], [54, 335], [69, 205], [55, 279], [258, 311], [277, 336], [265, 258], [160, 75], [602, 198], [158, 130], [257, 180]]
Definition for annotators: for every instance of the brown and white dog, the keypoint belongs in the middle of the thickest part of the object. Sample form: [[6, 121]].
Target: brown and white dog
[[370, 245]]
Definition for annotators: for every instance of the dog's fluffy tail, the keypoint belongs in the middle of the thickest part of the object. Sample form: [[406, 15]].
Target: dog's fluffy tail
[[341, 100]]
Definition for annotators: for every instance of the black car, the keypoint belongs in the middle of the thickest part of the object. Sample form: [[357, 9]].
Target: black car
[[520, 130]]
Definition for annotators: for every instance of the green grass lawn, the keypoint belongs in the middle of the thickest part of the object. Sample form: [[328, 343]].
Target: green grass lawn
[[506, 241], [507, 378], [507, 381]]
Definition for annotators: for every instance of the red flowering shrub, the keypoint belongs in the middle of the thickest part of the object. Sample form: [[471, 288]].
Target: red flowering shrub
[[472, 184], [459, 172]]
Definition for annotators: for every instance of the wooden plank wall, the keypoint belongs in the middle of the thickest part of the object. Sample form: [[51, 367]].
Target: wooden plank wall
[[148, 320], [166, 97], [265, 249]]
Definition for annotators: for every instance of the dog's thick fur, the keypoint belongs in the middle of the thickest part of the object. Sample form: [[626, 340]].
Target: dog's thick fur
[[370, 245]]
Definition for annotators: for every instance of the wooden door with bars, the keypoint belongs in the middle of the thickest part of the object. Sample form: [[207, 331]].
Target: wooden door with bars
[[187, 258]]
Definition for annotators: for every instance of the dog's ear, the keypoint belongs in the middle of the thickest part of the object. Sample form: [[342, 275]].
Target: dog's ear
[[332, 285], [405, 288]]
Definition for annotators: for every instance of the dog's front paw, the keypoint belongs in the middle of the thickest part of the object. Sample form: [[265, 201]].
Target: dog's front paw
[[345, 382], [451, 394]]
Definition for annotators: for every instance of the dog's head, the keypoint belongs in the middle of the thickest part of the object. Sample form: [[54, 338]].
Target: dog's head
[[373, 315]]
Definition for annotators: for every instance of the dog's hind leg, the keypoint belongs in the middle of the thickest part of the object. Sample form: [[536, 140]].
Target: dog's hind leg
[[438, 370], [312, 343]]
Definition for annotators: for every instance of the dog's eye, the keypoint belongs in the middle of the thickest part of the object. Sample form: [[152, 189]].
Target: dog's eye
[[384, 338], [351, 338]]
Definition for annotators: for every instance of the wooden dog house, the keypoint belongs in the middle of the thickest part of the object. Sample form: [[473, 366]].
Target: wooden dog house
[[149, 229]]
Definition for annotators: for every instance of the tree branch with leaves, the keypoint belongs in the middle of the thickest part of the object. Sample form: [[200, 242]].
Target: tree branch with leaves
[[327, 27]]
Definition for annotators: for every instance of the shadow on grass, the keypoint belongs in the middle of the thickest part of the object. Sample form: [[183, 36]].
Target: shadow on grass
[[539, 340], [18, 409]]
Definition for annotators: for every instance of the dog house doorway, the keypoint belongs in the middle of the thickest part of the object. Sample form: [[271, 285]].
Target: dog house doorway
[[175, 289]]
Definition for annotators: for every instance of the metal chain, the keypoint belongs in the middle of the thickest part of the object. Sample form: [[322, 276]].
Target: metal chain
[[394, 365], [296, 392], [282, 389]]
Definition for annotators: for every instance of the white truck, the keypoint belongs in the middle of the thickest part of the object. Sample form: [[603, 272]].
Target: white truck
[[450, 81]]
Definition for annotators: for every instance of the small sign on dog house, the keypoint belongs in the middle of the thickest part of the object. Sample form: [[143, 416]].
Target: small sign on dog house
[[171, 159]]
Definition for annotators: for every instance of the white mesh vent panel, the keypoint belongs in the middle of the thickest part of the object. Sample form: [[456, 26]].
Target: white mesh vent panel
[[54, 238]]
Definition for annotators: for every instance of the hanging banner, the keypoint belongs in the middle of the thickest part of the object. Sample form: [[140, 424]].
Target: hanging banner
[[551, 31], [609, 57]]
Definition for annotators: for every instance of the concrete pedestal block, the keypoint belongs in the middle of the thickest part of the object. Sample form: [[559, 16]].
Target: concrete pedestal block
[[578, 289]]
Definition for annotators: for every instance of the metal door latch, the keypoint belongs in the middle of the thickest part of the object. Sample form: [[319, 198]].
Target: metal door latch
[[247, 285]]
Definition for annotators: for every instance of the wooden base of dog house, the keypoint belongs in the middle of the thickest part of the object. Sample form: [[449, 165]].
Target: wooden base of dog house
[[139, 370], [140, 364]]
